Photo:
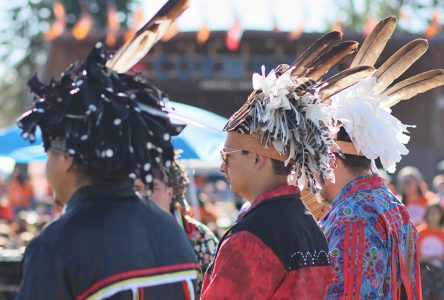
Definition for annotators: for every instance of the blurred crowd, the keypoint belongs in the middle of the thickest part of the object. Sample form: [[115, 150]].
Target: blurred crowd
[[23, 215], [426, 209]]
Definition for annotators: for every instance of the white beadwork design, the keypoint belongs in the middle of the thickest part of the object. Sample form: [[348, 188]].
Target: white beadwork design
[[301, 259]]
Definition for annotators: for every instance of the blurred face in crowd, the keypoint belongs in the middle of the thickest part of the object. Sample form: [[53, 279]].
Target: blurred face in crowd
[[410, 185], [162, 193], [434, 216]]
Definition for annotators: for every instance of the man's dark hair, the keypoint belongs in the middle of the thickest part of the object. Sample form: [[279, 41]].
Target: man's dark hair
[[279, 167], [354, 162], [97, 176]]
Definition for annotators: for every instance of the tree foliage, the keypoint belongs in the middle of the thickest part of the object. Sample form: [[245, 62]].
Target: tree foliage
[[413, 15], [23, 50]]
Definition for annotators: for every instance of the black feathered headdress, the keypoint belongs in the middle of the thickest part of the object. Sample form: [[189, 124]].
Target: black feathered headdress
[[104, 118]]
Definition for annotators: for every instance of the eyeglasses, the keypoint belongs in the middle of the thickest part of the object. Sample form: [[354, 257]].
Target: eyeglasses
[[224, 155]]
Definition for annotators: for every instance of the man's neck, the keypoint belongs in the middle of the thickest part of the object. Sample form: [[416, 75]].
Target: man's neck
[[74, 187], [346, 178], [265, 186]]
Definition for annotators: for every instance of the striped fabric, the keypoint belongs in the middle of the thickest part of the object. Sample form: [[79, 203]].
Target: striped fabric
[[138, 280], [372, 243]]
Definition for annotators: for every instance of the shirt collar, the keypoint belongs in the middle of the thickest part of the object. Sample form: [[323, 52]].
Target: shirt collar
[[281, 190], [105, 190], [363, 182]]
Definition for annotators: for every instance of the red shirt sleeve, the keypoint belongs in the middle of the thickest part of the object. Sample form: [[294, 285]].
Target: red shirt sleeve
[[244, 267]]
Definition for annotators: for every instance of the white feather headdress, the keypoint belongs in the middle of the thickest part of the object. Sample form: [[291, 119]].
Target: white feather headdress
[[365, 108]]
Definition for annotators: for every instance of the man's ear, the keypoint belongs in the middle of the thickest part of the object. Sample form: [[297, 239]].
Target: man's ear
[[259, 161], [170, 194], [68, 162]]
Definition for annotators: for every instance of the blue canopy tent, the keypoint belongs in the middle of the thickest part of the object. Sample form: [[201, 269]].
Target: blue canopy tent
[[201, 139], [11, 140]]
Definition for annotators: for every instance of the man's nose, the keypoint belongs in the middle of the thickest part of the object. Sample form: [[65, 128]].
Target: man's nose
[[223, 168]]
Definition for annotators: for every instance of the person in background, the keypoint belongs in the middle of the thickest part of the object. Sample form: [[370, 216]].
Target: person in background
[[431, 252], [6, 211], [438, 187], [19, 191], [414, 193], [169, 192], [371, 237]]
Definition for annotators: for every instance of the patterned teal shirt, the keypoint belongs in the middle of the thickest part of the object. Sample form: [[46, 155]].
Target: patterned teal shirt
[[372, 243]]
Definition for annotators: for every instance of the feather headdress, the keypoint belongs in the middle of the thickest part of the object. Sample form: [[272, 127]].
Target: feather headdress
[[365, 108], [284, 118], [106, 119]]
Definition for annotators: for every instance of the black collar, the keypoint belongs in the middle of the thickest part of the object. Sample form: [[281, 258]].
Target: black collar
[[100, 191]]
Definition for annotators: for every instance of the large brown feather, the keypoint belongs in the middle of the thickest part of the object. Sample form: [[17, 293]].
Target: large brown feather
[[314, 51], [343, 80], [375, 42], [329, 59], [398, 63], [412, 86], [135, 49]]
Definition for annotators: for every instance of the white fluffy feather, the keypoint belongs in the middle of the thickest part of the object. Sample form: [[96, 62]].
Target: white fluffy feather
[[375, 132]]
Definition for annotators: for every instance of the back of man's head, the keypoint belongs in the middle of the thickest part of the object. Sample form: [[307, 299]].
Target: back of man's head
[[353, 163]]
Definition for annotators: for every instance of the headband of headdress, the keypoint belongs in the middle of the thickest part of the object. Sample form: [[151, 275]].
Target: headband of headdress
[[284, 118], [365, 108], [104, 118]]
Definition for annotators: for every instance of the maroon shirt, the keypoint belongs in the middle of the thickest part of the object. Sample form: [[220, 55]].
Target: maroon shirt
[[274, 251]]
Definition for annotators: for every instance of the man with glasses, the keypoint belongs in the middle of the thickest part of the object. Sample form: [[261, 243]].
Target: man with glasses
[[275, 144]]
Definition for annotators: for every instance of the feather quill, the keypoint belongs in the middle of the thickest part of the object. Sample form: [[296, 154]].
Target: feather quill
[[375, 42], [145, 38]]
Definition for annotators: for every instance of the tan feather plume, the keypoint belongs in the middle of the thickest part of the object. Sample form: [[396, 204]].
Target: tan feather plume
[[329, 59], [135, 49], [413, 86], [375, 42], [317, 55], [343, 80], [315, 51], [398, 63]]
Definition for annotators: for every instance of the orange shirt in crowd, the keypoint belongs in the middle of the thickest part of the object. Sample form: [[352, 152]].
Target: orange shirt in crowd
[[430, 242], [20, 195], [6, 212]]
